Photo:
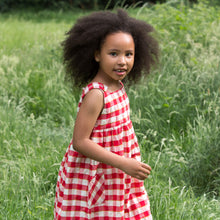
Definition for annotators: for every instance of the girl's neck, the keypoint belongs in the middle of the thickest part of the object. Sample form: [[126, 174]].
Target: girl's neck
[[113, 85]]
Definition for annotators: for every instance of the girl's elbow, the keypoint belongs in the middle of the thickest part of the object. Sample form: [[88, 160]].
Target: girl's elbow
[[77, 144]]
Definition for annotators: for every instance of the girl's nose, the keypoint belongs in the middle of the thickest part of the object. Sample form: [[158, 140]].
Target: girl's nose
[[121, 60]]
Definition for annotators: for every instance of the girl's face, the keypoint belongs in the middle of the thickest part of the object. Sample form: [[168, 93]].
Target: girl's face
[[116, 56]]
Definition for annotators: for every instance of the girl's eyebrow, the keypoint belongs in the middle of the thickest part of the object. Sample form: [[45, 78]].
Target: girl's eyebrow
[[117, 50]]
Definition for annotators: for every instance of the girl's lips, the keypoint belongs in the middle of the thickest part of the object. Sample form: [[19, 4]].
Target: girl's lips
[[120, 72]]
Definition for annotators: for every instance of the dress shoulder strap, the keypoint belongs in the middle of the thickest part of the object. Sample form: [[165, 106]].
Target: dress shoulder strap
[[93, 85]]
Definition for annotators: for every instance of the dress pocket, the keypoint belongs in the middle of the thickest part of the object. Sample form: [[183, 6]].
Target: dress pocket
[[137, 187], [96, 190]]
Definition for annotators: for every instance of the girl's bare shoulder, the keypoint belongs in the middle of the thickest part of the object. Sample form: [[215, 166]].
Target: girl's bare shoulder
[[93, 100]]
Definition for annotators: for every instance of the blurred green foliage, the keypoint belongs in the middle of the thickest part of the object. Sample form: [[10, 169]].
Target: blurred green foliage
[[6, 5]]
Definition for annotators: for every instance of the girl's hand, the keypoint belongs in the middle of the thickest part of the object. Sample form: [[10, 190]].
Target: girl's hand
[[135, 168]]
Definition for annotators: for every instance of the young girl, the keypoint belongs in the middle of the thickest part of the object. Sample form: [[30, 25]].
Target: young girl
[[101, 175]]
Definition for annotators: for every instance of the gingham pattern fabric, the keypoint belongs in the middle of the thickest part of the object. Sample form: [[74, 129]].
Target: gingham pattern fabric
[[87, 189]]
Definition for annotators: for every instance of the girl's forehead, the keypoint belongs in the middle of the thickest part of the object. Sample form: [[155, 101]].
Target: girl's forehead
[[119, 39]]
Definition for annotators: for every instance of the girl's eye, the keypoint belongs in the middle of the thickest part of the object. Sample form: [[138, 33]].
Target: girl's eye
[[113, 54], [129, 54]]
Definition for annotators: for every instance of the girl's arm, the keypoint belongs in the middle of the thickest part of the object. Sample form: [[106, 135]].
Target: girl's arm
[[85, 121]]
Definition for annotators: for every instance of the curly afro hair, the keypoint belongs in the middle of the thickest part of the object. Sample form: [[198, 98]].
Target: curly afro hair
[[88, 35]]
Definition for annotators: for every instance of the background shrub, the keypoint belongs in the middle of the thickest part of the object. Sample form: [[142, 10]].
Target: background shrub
[[84, 4]]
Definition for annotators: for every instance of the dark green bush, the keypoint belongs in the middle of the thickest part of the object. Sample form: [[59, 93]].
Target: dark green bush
[[6, 5]]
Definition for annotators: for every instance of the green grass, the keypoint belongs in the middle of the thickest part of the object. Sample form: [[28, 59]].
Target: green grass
[[175, 111]]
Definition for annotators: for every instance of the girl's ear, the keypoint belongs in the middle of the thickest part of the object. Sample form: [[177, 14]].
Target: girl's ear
[[97, 57]]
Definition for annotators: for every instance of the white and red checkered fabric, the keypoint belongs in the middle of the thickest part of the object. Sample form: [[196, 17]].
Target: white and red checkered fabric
[[90, 190]]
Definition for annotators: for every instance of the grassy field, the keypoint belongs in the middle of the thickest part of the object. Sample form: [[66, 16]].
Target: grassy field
[[175, 111]]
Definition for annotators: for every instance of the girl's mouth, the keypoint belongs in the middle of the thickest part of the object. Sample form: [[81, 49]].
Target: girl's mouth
[[120, 72]]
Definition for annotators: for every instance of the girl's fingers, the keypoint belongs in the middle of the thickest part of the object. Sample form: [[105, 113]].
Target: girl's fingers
[[142, 176], [145, 170], [137, 169], [146, 166]]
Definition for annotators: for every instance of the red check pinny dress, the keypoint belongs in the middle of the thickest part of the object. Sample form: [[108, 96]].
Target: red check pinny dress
[[90, 190]]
